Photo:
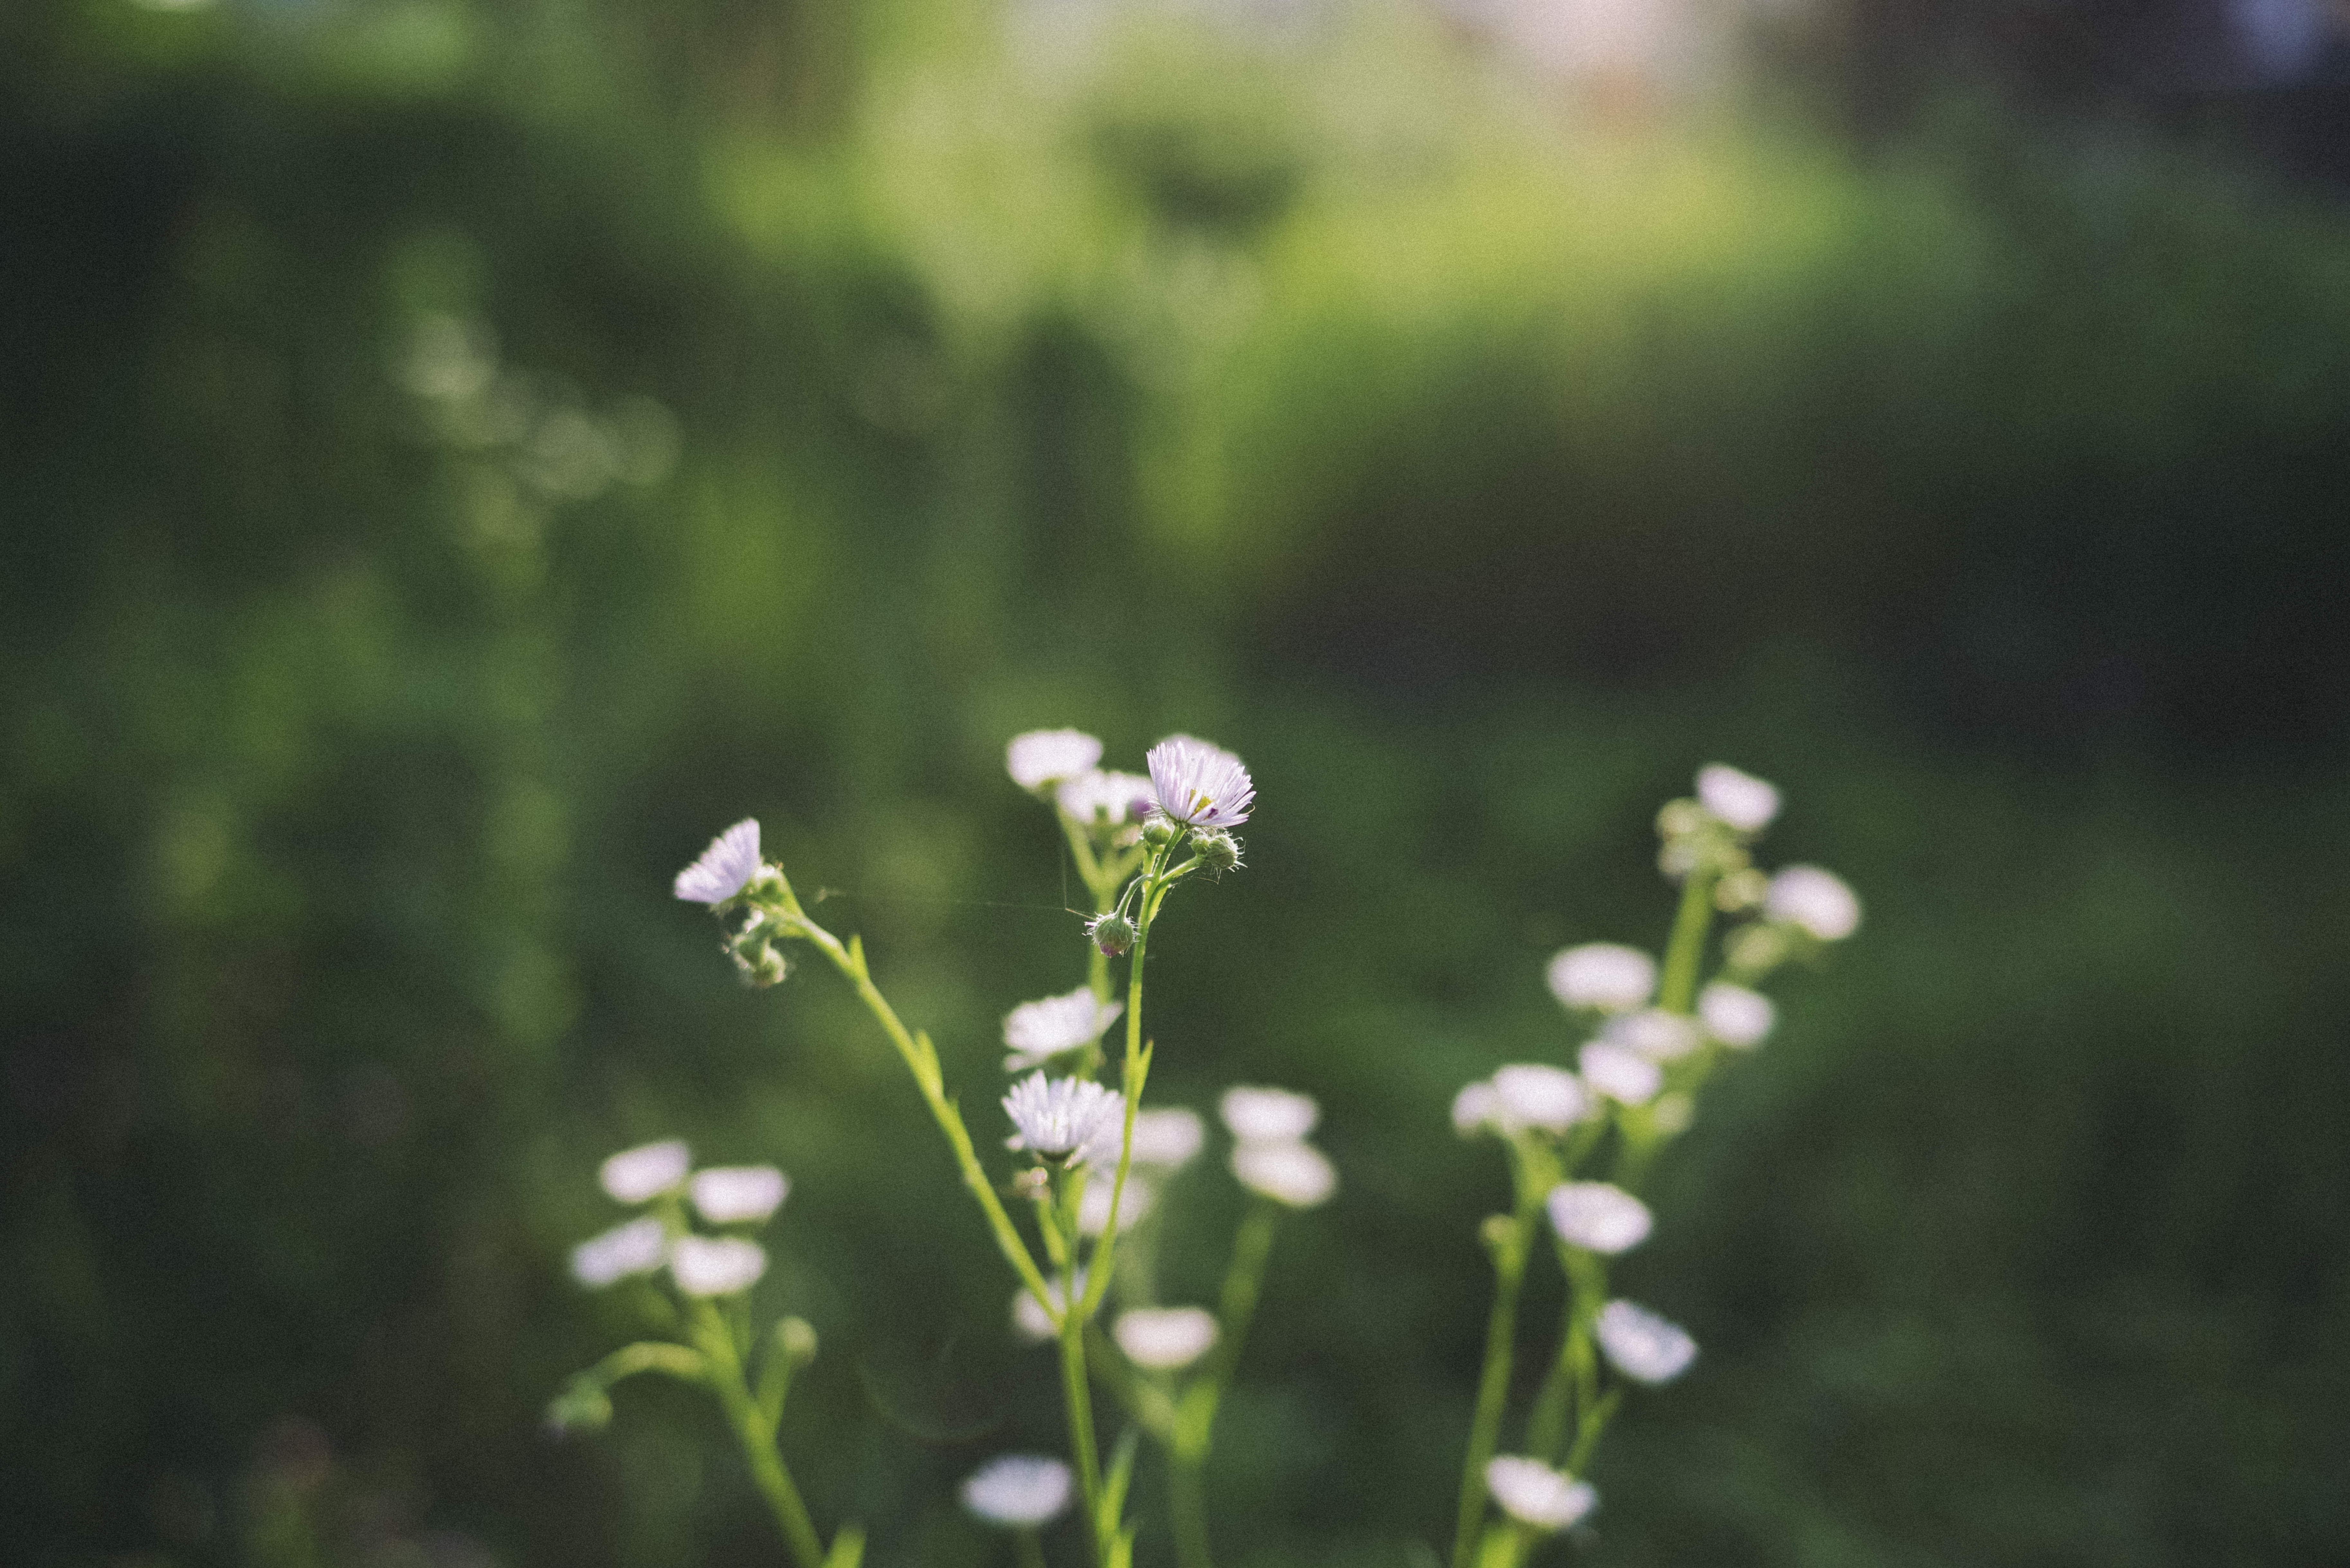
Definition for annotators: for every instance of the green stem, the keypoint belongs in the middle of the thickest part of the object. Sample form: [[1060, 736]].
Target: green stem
[[1030, 1547], [1573, 1379], [1195, 1417], [1494, 1383], [1187, 1506], [742, 1412], [1678, 989], [1080, 1401], [1137, 1071]]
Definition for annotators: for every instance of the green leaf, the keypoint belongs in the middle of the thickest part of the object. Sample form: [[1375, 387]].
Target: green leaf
[[1114, 1485]]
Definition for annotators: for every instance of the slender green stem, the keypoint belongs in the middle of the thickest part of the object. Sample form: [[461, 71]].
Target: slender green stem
[[1510, 1251], [1030, 1547], [750, 1423], [1195, 1416], [1137, 1071], [1187, 1507], [1079, 1397], [1691, 920], [1573, 1379]]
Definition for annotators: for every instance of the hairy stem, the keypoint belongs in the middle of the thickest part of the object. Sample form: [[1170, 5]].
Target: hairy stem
[[1494, 1383]]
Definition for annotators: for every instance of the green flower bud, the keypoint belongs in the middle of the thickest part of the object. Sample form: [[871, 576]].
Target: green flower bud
[[1679, 818], [1158, 833], [1216, 848], [1111, 933], [582, 1407], [795, 1336]]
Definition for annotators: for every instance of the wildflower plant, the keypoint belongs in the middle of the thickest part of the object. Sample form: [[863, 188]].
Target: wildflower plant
[[1579, 1145]]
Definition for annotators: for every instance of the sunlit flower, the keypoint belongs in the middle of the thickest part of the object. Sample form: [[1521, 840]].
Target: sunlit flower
[[638, 1246], [1598, 1216], [1605, 975], [1038, 1031], [1029, 1318], [640, 1174], [1092, 1208], [1533, 1493], [1641, 1345], [716, 1265], [1623, 1075], [1658, 1036], [730, 862], [1821, 902], [1168, 1139], [738, 1194], [1058, 1116], [1165, 1338], [1041, 757], [1095, 797], [1736, 1015], [1534, 1095], [1742, 799], [1268, 1116], [1018, 1491], [1297, 1174], [1476, 1107], [1200, 785]]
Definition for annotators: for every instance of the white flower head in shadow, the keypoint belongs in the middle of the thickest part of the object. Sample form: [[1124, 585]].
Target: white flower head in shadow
[[1018, 1491], [1165, 1339], [1598, 1216], [1534, 1494], [716, 1265], [1608, 976], [1642, 1345], [738, 1194], [641, 1174], [1043, 757], [1037, 1031], [725, 869], [1739, 799]]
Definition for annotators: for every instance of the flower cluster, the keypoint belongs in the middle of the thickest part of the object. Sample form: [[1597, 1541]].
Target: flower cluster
[[699, 1265]]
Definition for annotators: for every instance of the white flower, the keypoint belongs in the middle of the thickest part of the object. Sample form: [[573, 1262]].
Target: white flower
[[1658, 1036], [1268, 1116], [1047, 756], [1165, 1338], [1058, 1116], [736, 1194], [638, 1246], [1092, 1208], [731, 861], [1533, 1493], [1018, 1491], [1297, 1174], [638, 1175], [1200, 785], [1605, 975], [716, 1265], [1821, 902], [1030, 1319], [1742, 799], [1621, 1074], [1641, 1345], [1037, 1031], [1477, 1106], [1094, 797], [1736, 1015], [1168, 1139], [1598, 1216], [1533, 1094]]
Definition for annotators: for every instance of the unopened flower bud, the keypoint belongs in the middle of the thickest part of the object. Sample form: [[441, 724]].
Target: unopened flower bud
[[1219, 850], [1679, 818], [1672, 1114], [1497, 1231], [1741, 890], [795, 1337], [761, 967], [1112, 933], [1753, 950], [582, 1407], [1158, 833]]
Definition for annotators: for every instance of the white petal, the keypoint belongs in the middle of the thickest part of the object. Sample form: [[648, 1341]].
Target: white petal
[[1256, 1114], [732, 861], [641, 1174], [736, 1194]]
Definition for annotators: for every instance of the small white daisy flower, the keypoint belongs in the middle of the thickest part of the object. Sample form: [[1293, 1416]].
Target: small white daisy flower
[[1736, 1015], [1475, 1108], [1533, 1493], [1095, 797], [1297, 1174], [1821, 902], [738, 1194], [1598, 1216], [1168, 1139], [1658, 1036], [716, 1265], [1534, 1094], [1039, 1030], [1605, 975], [1018, 1491], [1165, 1339], [1623, 1075], [638, 1246], [1030, 1319], [1041, 757], [1256, 1114], [1199, 784], [1092, 1208], [1742, 799], [1058, 1116], [641, 1174], [1641, 1345], [724, 868]]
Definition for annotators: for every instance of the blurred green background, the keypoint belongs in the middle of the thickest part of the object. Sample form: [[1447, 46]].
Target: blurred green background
[[456, 456]]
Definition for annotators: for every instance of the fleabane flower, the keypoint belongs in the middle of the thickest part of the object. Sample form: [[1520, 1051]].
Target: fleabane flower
[[1092, 1208], [1058, 1116], [1168, 1139], [1041, 757], [1018, 1491], [1039, 1030], [1029, 1318], [1641, 1345], [1199, 785], [725, 867], [738, 1194], [1534, 1494], [1736, 1015], [716, 1265], [1165, 1339], [642, 1174], [1658, 1036], [1820, 902], [1097, 798], [1534, 1094], [1296, 1175], [1740, 799], [1620, 1072], [1598, 1216], [1256, 1114], [638, 1247], [1476, 1109], [1608, 976]]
